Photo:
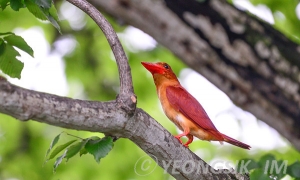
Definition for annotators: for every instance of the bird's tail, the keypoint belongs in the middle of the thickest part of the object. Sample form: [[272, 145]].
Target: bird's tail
[[235, 142]]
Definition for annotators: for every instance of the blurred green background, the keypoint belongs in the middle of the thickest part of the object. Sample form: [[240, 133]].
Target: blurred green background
[[91, 73]]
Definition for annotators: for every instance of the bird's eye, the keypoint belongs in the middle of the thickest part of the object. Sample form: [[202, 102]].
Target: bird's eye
[[166, 66]]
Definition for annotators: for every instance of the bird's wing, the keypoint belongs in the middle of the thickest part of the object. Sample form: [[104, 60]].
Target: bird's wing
[[185, 103]]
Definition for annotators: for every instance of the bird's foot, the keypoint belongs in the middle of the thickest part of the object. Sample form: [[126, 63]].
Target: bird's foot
[[190, 137], [186, 145]]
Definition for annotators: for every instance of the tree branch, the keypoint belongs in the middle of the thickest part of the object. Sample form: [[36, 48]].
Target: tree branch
[[104, 117], [126, 95], [255, 65]]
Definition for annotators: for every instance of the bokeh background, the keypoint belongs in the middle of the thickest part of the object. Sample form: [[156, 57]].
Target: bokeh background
[[79, 64]]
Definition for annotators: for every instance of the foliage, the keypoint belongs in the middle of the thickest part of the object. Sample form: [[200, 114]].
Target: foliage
[[41, 9], [91, 65], [9, 64], [268, 167], [98, 147]]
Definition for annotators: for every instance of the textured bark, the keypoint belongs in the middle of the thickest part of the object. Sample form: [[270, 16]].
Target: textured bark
[[119, 118], [254, 64], [113, 120]]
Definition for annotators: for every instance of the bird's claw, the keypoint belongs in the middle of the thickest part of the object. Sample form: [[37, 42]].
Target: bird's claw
[[178, 137], [185, 145]]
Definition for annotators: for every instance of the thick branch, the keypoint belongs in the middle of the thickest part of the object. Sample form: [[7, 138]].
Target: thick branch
[[104, 117], [255, 65]]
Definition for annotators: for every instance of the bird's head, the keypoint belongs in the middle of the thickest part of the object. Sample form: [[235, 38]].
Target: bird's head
[[160, 71], [157, 68]]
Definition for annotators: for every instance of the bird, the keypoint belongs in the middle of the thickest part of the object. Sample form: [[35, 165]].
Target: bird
[[183, 109]]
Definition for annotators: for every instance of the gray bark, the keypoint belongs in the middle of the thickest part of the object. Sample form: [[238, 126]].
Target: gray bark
[[112, 120], [250, 61]]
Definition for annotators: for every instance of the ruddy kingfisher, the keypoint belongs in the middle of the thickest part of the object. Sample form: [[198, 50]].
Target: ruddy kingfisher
[[183, 109]]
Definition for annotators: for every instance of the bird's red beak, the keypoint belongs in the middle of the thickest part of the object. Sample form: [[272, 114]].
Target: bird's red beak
[[153, 67]]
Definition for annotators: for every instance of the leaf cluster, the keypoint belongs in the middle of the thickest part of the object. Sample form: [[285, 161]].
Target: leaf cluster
[[268, 167], [41, 9], [98, 147], [9, 64]]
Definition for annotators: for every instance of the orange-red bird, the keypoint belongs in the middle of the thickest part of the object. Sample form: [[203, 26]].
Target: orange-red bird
[[183, 109]]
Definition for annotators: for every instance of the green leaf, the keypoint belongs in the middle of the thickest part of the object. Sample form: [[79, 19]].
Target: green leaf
[[99, 148], [90, 139], [3, 4], [83, 151], [19, 42], [35, 10], [16, 4], [279, 169], [74, 149], [9, 64], [6, 33], [44, 13], [94, 138], [2, 46], [258, 174], [51, 15], [59, 148], [294, 169], [53, 143], [53, 12], [265, 162], [59, 160], [44, 3]]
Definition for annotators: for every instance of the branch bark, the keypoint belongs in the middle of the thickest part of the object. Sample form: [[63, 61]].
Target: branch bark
[[110, 119], [119, 118], [254, 64]]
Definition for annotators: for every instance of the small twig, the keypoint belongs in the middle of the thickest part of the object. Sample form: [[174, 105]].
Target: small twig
[[73, 136]]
